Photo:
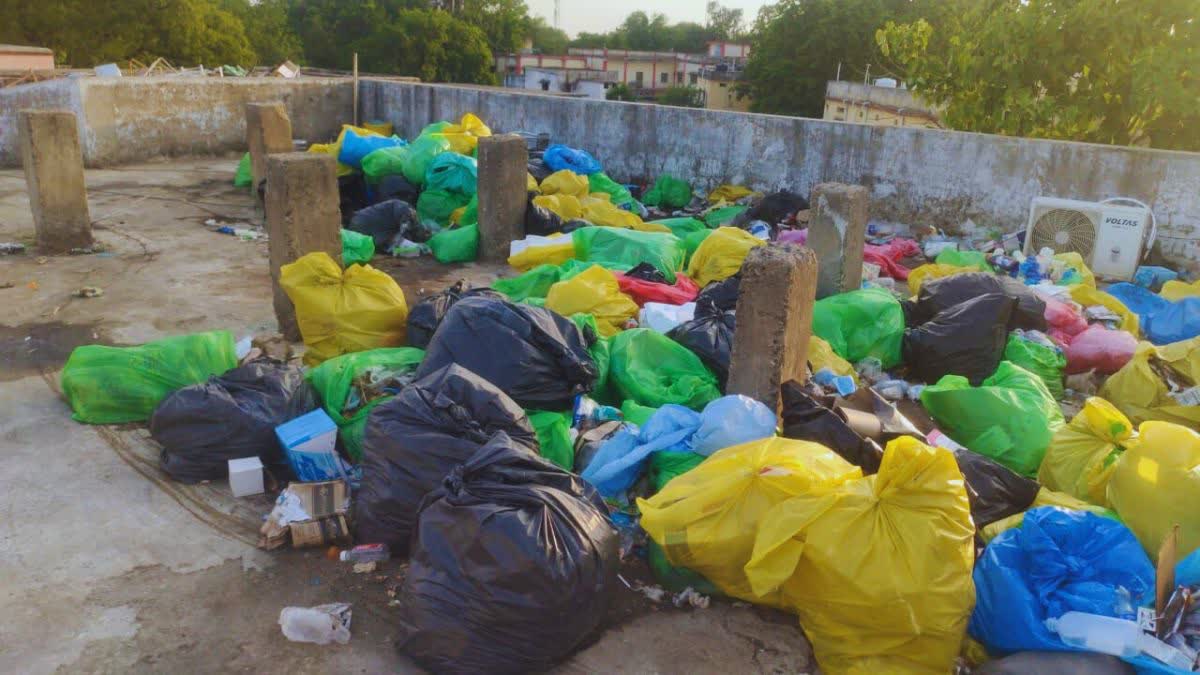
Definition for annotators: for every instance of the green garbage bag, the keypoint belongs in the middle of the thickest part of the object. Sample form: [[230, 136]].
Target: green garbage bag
[[601, 352], [636, 413], [1010, 418], [339, 382], [1045, 362], [723, 216], [652, 369], [434, 128], [452, 172], [384, 162], [666, 465], [113, 385], [676, 579], [681, 227], [357, 248], [858, 324], [536, 282], [668, 191], [619, 194], [437, 205], [471, 215], [692, 241], [974, 259], [458, 245], [421, 153], [553, 431], [245, 173], [630, 248]]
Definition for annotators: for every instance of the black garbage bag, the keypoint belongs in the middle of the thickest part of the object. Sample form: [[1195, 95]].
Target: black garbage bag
[[994, 491], [514, 564], [709, 336], [938, 295], [967, 339], [807, 419], [773, 209], [352, 195], [202, 427], [538, 169], [383, 221], [413, 440], [575, 224], [649, 272], [396, 187], [719, 296], [589, 442], [536, 356], [426, 315], [541, 221]]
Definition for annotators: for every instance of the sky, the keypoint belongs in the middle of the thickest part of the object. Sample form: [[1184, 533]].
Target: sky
[[602, 16]]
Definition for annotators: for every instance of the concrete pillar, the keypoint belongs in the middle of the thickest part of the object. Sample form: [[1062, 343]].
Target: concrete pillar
[[774, 321], [302, 217], [503, 164], [837, 230], [268, 132], [53, 163]]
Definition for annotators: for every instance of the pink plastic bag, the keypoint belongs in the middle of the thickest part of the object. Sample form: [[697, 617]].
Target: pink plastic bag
[[1063, 318], [798, 237], [1101, 348]]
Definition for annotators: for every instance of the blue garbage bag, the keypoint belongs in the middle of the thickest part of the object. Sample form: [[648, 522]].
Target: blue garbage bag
[[355, 147], [1162, 320], [620, 461], [558, 157], [1057, 561], [732, 420], [1153, 277]]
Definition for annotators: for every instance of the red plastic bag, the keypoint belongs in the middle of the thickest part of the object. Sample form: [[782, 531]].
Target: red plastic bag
[[1063, 319], [889, 255], [1101, 348], [684, 291]]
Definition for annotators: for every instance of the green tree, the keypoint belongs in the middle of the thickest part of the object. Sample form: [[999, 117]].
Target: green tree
[[268, 30], [546, 38], [592, 40], [504, 22], [688, 97], [619, 92], [430, 44], [1087, 70], [724, 23], [690, 38]]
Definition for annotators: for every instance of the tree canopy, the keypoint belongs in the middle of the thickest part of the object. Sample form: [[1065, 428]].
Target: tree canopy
[[1087, 70], [653, 32]]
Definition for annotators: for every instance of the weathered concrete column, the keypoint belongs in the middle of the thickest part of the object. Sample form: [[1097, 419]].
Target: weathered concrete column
[[268, 132], [774, 312], [53, 161], [503, 164], [837, 229], [302, 217]]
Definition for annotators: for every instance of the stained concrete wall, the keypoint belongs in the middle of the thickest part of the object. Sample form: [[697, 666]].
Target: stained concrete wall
[[133, 119], [915, 176]]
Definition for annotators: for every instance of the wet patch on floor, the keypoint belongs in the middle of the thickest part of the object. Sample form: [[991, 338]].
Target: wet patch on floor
[[33, 349]]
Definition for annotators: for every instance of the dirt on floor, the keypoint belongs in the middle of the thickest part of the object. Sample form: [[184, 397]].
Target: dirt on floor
[[110, 566]]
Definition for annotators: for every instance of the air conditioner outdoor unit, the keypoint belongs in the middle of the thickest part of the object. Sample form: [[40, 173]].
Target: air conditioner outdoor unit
[[1110, 235]]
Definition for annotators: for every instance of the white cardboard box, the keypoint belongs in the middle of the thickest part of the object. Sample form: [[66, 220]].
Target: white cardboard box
[[246, 476]]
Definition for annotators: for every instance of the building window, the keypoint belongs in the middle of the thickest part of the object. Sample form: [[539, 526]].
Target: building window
[[664, 78], [678, 78], [693, 78], [841, 109], [637, 77], [614, 75], [723, 85]]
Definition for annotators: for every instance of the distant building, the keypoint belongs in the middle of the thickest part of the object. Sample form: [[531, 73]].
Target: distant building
[[880, 104], [20, 57]]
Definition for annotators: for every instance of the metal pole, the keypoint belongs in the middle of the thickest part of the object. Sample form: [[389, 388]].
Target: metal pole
[[355, 88]]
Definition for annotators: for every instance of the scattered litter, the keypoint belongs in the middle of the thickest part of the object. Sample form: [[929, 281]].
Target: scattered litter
[[319, 625], [89, 292], [11, 248], [365, 567]]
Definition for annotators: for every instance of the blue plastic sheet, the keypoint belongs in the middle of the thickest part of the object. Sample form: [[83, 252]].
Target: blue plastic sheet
[[355, 147], [558, 157], [1162, 320], [1057, 561], [1152, 277], [732, 420]]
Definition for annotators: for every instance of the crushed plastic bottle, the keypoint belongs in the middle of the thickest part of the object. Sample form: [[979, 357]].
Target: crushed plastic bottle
[[319, 625], [760, 229], [871, 370], [589, 413], [1098, 633]]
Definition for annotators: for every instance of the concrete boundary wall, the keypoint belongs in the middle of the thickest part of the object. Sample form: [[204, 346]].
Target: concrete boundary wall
[[135, 119], [915, 176]]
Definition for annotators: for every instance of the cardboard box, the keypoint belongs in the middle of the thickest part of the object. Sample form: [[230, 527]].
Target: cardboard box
[[322, 499], [308, 443], [320, 532], [246, 476]]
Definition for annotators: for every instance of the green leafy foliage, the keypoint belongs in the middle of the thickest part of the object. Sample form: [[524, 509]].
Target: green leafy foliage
[[653, 32], [1104, 71], [689, 97]]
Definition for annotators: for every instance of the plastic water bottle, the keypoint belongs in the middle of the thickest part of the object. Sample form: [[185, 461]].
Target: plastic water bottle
[[1030, 271], [366, 553], [760, 230], [1097, 633], [320, 625]]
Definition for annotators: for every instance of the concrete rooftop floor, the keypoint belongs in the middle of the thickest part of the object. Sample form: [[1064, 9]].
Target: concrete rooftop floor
[[106, 565]]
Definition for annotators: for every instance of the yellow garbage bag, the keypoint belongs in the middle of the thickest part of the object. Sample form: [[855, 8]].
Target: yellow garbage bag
[[598, 210], [879, 568], [531, 184], [1139, 392], [550, 253], [379, 128], [729, 193], [821, 355], [721, 254], [1156, 485], [464, 136], [1089, 295], [1075, 262], [564, 206], [457, 214], [332, 149], [706, 519], [340, 312], [1045, 497], [593, 291], [565, 182], [1177, 290], [932, 271], [1083, 453]]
